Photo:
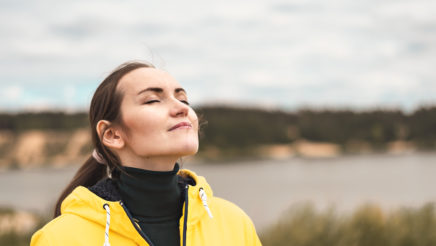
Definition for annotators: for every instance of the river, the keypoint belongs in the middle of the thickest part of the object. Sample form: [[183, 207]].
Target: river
[[266, 188]]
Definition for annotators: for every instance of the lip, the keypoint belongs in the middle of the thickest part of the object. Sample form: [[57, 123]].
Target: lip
[[181, 125]]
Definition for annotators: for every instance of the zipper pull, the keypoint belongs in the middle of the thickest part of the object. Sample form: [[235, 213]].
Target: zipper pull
[[203, 198]]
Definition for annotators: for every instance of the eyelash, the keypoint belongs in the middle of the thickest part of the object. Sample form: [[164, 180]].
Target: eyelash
[[153, 101]]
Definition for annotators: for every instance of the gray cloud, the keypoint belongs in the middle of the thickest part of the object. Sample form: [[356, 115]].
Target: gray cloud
[[279, 53]]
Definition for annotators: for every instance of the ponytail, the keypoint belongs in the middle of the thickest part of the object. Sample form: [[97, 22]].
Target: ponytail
[[88, 174]]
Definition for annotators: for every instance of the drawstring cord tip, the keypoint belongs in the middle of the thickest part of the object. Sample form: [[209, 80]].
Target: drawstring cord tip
[[108, 222], [203, 198]]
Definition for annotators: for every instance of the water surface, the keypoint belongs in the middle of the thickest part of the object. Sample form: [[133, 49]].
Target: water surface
[[264, 189]]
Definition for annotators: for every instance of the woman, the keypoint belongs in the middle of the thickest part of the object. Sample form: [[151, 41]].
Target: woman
[[131, 191]]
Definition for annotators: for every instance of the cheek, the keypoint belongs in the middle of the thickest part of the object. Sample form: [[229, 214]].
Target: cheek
[[194, 120], [140, 124]]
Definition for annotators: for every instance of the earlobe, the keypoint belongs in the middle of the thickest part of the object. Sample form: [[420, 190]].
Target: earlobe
[[111, 136]]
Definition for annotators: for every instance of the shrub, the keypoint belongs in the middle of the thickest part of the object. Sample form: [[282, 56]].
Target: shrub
[[367, 226]]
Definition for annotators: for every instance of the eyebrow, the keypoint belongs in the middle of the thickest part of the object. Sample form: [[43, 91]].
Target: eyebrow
[[178, 90], [160, 90]]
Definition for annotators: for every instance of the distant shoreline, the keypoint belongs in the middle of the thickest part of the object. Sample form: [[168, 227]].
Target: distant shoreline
[[228, 133]]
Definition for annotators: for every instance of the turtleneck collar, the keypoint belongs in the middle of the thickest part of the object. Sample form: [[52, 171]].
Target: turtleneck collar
[[151, 196]]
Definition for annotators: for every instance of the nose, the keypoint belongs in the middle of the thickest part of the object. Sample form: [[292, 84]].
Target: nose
[[179, 109]]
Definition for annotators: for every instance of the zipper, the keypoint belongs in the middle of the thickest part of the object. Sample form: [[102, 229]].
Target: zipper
[[138, 229], [185, 220]]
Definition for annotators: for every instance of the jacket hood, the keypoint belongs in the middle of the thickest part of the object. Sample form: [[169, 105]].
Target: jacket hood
[[196, 209], [89, 204]]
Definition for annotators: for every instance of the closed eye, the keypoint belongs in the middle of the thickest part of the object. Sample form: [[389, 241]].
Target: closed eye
[[185, 102], [151, 101]]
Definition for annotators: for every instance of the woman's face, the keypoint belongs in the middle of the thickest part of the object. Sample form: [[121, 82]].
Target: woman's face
[[157, 119]]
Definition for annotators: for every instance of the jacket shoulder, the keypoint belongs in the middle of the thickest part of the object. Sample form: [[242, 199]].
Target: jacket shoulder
[[65, 228], [231, 212], [40, 238], [236, 220], [44, 236], [228, 208]]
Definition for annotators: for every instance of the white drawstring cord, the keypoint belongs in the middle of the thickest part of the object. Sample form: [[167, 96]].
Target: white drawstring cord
[[108, 222], [203, 198]]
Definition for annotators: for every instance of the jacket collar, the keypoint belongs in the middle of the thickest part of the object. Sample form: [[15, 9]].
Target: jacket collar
[[88, 204]]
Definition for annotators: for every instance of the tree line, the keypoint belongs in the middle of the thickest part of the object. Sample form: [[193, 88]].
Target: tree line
[[233, 127]]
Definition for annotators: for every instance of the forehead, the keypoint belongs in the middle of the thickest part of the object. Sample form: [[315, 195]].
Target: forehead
[[142, 78]]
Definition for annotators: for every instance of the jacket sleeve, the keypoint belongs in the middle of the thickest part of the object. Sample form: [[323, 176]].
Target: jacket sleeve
[[39, 239]]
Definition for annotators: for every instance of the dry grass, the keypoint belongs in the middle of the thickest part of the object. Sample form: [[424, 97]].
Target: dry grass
[[367, 226], [17, 227]]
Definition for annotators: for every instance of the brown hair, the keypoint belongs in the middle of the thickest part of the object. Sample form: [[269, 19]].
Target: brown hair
[[105, 105]]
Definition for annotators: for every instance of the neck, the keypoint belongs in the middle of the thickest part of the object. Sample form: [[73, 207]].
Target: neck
[[152, 163]]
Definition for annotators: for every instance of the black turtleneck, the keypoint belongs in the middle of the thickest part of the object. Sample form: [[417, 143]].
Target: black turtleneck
[[155, 201]]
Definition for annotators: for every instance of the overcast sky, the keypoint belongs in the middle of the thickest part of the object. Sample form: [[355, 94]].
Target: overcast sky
[[286, 54]]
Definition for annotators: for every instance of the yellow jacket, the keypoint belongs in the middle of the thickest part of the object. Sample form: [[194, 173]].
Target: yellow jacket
[[206, 220]]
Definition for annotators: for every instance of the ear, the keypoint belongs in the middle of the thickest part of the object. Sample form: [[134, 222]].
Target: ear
[[111, 135]]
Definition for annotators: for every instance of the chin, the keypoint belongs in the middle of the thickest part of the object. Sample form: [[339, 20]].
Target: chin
[[188, 149]]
